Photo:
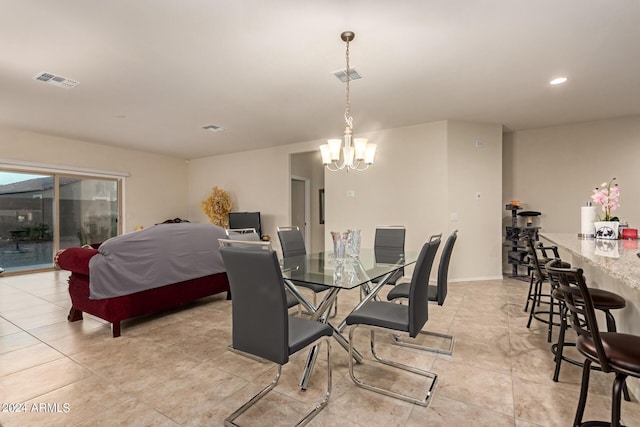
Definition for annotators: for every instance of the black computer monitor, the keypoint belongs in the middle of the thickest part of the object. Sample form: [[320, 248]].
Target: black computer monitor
[[245, 220]]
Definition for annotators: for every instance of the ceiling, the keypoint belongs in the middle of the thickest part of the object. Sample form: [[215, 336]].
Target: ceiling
[[151, 73]]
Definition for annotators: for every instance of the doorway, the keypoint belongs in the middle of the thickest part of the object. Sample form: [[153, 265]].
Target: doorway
[[307, 181], [301, 207]]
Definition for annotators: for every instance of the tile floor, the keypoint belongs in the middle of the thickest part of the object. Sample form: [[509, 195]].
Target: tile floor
[[174, 369]]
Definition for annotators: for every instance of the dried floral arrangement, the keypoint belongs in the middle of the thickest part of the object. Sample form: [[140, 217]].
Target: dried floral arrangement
[[217, 207]]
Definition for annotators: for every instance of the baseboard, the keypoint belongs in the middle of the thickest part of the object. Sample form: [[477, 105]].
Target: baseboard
[[476, 279]]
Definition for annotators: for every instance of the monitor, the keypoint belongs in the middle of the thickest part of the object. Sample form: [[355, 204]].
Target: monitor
[[245, 220]]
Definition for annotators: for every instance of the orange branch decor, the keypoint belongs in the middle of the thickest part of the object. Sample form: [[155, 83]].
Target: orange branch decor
[[217, 207]]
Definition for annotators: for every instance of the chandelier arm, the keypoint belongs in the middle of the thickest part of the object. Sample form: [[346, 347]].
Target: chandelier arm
[[357, 167], [330, 169]]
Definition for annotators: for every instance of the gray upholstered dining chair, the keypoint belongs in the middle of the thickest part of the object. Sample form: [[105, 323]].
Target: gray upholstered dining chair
[[261, 325], [388, 242], [251, 235], [292, 244], [248, 234], [614, 352], [436, 293], [408, 319]]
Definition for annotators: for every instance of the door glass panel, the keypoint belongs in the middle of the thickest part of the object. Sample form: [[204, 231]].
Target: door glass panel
[[88, 210], [26, 221]]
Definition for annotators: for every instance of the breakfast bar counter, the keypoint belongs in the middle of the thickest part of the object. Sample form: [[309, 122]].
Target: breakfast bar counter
[[608, 264]]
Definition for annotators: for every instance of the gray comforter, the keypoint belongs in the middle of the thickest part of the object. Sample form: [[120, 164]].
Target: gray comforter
[[155, 257]]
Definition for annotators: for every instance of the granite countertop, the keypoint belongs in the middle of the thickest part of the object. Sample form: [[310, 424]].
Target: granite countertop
[[617, 257]]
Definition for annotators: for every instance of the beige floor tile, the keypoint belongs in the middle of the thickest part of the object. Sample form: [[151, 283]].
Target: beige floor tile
[[479, 387], [27, 357], [41, 379], [553, 405], [69, 405], [8, 328], [65, 328], [133, 364], [192, 394], [16, 341], [39, 318], [129, 413], [174, 368], [444, 412]]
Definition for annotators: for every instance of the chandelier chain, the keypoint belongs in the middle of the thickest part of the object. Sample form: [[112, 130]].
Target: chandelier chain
[[347, 114]]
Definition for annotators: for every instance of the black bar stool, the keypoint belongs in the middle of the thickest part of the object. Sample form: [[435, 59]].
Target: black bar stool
[[615, 352], [602, 300], [539, 277]]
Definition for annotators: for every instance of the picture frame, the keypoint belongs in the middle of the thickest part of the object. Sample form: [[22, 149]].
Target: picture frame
[[321, 195]]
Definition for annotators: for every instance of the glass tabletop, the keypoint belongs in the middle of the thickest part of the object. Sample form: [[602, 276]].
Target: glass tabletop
[[321, 268]]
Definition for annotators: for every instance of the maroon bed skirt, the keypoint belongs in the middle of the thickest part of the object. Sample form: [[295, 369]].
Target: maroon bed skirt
[[114, 310]]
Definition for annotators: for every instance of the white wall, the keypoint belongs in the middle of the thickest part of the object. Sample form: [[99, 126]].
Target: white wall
[[256, 180], [554, 170], [421, 173], [407, 185], [474, 167], [155, 190]]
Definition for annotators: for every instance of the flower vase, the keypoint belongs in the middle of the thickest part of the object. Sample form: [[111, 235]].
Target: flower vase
[[608, 248], [353, 243], [606, 230], [339, 246]]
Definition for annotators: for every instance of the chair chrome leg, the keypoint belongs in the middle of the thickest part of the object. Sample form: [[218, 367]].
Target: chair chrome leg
[[320, 406], [247, 355], [422, 402], [397, 339], [241, 410], [229, 421]]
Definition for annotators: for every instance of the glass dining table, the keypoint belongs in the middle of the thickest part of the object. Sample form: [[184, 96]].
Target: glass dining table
[[353, 272]]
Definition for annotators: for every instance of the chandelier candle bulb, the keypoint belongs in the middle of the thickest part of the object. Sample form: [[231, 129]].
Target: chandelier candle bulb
[[361, 147], [370, 154], [334, 148], [326, 155]]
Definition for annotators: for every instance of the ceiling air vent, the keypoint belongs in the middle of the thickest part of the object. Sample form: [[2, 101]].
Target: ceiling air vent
[[54, 80], [342, 74], [213, 128]]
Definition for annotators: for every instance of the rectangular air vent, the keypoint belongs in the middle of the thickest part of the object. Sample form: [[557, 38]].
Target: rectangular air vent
[[342, 74], [54, 80], [213, 128]]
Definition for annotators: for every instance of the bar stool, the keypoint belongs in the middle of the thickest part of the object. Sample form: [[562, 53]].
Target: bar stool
[[615, 352], [539, 277], [602, 300]]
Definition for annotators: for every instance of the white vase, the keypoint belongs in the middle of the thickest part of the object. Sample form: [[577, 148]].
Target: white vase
[[608, 248], [607, 230]]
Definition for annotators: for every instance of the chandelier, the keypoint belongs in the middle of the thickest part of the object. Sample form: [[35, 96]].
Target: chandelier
[[357, 154]]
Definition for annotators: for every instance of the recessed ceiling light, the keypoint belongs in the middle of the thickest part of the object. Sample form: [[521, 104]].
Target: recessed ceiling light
[[558, 80]]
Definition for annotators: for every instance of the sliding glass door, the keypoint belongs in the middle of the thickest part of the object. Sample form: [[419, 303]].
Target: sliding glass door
[[41, 213], [26, 220], [88, 210]]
